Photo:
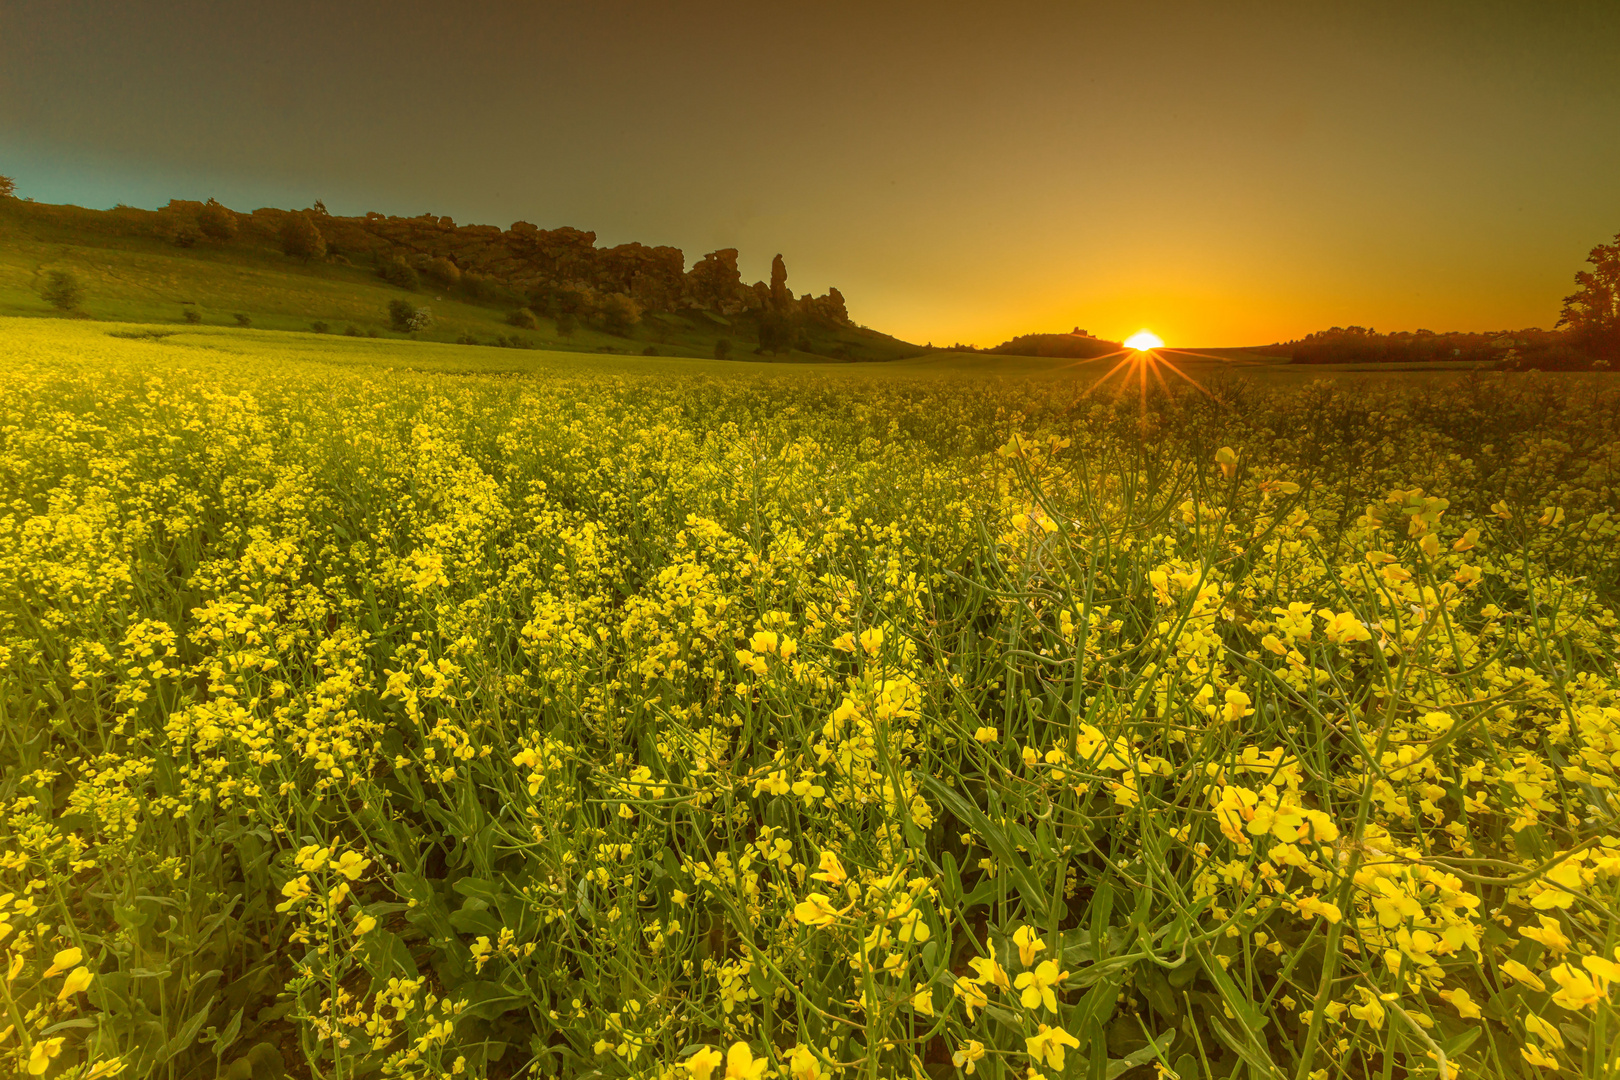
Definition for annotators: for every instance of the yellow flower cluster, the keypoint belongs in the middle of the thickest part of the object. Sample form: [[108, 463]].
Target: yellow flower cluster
[[426, 717]]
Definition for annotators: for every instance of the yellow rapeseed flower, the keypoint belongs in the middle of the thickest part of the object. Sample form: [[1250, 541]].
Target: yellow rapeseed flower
[[1029, 943], [62, 961], [1037, 985], [1047, 1044]]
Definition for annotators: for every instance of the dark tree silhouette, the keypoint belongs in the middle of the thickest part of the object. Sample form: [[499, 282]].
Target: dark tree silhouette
[[619, 314], [444, 272], [775, 331], [62, 290], [216, 222], [300, 239], [1592, 312]]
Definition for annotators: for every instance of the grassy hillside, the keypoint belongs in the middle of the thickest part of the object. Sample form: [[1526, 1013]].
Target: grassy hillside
[[132, 272]]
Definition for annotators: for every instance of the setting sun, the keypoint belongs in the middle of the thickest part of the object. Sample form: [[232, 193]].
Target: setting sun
[[1143, 340]]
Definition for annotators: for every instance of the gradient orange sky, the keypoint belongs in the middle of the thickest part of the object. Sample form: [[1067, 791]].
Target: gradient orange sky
[[1224, 173]]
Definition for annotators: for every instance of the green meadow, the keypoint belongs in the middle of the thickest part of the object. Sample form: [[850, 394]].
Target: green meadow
[[130, 277]]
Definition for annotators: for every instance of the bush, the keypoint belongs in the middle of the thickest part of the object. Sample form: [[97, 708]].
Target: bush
[[479, 287], [522, 318], [319, 327], [242, 319], [217, 223], [651, 350], [421, 319], [465, 338], [566, 324], [722, 349], [351, 331], [396, 271], [400, 313], [191, 315], [62, 290], [8, 188], [444, 272], [187, 236]]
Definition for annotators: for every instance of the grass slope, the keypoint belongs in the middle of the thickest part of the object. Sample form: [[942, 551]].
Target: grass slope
[[148, 280]]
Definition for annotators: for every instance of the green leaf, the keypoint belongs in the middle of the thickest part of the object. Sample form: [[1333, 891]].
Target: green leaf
[[996, 839], [187, 1035], [1153, 1050]]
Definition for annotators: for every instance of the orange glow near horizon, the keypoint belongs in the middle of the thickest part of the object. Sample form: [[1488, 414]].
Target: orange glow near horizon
[[1143, 340]]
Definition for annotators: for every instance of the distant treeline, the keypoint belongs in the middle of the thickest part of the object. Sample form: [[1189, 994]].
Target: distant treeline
[[1587, 335], [1532, 347], [1076, 344]]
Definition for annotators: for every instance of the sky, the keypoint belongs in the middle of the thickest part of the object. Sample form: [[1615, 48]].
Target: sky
[[1224, 173]]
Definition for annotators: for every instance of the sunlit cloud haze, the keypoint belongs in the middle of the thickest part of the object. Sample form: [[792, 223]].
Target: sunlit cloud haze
[[1224, 173]]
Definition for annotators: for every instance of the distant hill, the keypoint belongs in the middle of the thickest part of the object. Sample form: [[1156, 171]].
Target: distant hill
[[522, 286], [1076, 344]]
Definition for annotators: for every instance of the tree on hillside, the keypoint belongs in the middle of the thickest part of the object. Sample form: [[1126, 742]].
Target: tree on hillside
[[444, 272], [216, 222], [396, 271], [62, 290], [400, 314], [781, 297], [8, 188], [1592, 312], [300, 239], [775, 331], [619, 314]]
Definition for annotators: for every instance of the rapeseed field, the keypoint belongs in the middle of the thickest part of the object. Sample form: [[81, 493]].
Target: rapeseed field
[[692, 725]]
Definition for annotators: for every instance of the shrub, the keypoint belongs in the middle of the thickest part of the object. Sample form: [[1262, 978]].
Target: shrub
[[351, 331], [191, 315], [216, 222], [480, 287], [722, 349], [465, 338], [421, 319], [522, 318], [371, 331], [396, 271], [444, 272], [566, 324], [319, 327], [187, 236], [242, 319], [62, 290], [651, 350], [8, 188], [399, 314]]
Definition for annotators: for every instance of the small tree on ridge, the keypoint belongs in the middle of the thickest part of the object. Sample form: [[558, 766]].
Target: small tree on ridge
[[300, 239]]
